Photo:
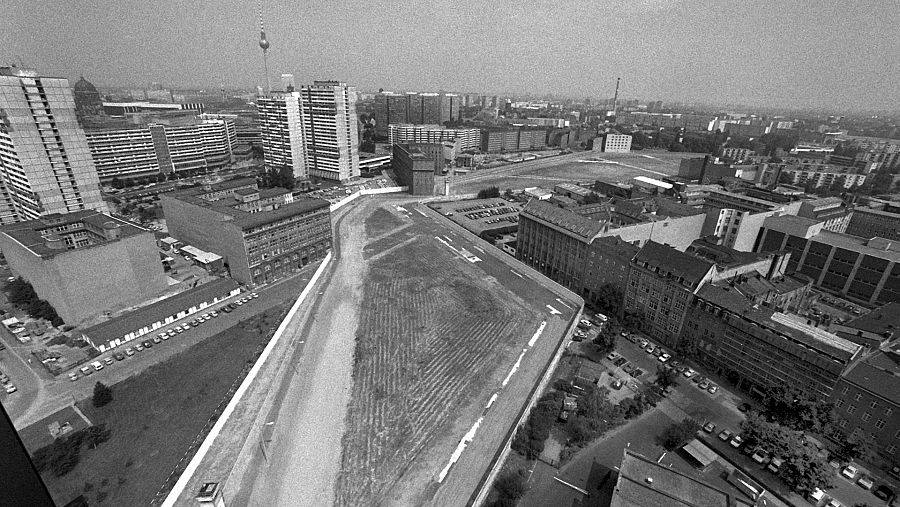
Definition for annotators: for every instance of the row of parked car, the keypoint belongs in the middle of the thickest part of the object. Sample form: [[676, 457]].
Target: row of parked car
[[7, 383], [161, 337]]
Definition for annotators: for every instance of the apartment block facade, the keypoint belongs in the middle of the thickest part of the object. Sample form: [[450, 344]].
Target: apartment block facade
[[330, 131], [45, 163], [468, 138]]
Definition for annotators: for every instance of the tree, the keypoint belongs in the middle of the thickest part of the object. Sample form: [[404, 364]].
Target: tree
[[609, 298], [666, 377], [772, 437], [117, 183], [511, 485], [102, 394], [806, 470], [798, 409], [96, 435], [593, 198], [606, 340], [679, 434], [856, 446], [488, 193]]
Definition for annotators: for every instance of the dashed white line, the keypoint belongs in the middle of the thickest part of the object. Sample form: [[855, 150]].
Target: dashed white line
[[517, 274]]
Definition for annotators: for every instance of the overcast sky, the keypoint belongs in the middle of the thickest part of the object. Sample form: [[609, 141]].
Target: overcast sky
[[765, 52]]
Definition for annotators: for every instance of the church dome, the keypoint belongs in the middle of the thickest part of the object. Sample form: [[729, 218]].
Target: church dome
[[83, 85]]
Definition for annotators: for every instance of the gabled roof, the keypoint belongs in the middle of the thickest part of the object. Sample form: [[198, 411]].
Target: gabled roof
[[670, 260]]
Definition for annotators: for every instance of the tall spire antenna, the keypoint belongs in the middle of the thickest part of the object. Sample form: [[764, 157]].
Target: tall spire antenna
[[616, 99], [264, 44]]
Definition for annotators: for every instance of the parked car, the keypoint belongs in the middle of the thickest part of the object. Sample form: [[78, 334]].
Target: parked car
[[254, 295], [736, 441], [109, 361], [775, 465], [834, 503], [147, 344], [703, 385], [156, 339], [699, 379], [86, 370], [584, 323], [138, 347], [643, 343], [214, 314], [179, 329], [163, 336], [663, 358], [657, 352], [885, 493], [689, 373], [620, 361], [11, 389], [709, 427], [850, 471], [73, 376], [612, 356], [129, 351], [649, 349], [226, 309], [171, 333], [725, 435], [119, 356], [97, 365], [628, 368], [865, 482], [760, 456], [712, 388]]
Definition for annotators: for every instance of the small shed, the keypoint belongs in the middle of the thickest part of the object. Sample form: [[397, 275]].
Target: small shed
[[700, 454]]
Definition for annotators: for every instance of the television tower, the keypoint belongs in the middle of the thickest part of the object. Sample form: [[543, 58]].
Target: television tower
[[616, 99], [264, 44]]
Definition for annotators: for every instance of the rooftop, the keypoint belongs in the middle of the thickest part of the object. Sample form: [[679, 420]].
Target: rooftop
[[721, 255], [878, 374], [790, 326], [643, 482], [120, 326], [670, 260], [226, 205], [580, 226], [879, 321], [34, 234]]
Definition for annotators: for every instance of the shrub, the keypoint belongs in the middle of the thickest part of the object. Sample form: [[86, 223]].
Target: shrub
[[679, 434], [102, 394]]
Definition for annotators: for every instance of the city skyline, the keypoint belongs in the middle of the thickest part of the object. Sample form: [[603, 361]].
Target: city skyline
[[777, 54]]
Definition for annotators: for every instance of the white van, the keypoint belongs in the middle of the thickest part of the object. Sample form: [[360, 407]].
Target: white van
[[97, 365]]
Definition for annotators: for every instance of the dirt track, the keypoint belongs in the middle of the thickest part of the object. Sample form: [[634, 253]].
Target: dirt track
[[304, 455]]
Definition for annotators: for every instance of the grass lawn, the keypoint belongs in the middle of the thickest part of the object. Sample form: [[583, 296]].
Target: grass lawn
[[160, 416]]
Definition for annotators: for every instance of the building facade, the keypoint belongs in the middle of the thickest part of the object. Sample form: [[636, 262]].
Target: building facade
[[830, 210], [45, 163], [281, 133], [203, 145], [84, 263], [757, 347], [469, 138], [263, 234], [616, 143], [330, 131], [869, 222], [866, 271], [414, 168], [504, 140]]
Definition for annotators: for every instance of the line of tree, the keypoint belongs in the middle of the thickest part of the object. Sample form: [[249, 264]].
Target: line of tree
[[22, 294], [679, 434], [63, 455], [488, 193], [281, 178], [510, 487]]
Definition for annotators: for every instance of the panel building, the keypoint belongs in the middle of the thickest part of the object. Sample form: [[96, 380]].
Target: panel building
[[45, 163], [830, 210], [84, 263], [281, 133], [505, 140], [415, 108], [201, 145], [263, 234], [469, 138], [863, 270]]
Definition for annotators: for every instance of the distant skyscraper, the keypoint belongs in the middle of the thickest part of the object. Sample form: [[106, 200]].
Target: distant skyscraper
[[390, 108], [281, 131], [287, 83], [328, 112], [45, 163], [87, 100]]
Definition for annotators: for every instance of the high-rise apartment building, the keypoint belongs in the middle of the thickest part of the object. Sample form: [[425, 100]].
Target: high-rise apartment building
[[281, 132], [330, 131], [415, 108], [313, 131], [45, 163]]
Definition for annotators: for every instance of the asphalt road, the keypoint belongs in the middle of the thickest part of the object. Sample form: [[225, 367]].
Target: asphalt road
[[40, 394]]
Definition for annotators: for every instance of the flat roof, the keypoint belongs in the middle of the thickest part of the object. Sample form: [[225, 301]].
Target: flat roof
[[654, 182], [859, 245], [146, 315], [227, 206], [28, 233], [878, 321], [643, 482], [700, 452]]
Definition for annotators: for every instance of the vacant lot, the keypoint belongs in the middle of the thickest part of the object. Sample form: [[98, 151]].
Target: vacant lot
[[591, 166], [433, 333], [157, 417]]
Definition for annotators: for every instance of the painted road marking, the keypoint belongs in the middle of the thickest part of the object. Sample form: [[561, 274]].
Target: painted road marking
[[563, 303], [420, 212], [576, 488], [470, 435], [448, 238], [469, 257], [517, 274], [554, 311], [479, 249]]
